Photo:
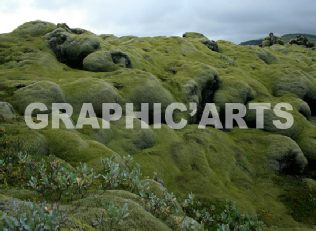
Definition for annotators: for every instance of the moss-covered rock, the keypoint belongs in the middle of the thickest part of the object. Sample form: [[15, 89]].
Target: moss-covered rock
[[34, 28], [286, 158], [90, 90], [135, 140], [6, 111], [138, 219], [72, 147], [150, 91], [102, 61], [211, 44], [295, 83], [46, 92], [266, 57], [72, 48], [233, 91], [307, 142], [271, 40], [25, 140], [301, 40], [194, 35]]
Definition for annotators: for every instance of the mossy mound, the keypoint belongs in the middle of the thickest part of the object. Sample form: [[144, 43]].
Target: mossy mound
[[46, 92], [286, 158], [90, 90], [6, 111], [233, 91], [295, 83], [212, 45], [138, 219], [150, 91], [70, 146], [106, 61], [266, 57], [20, 138], [34, 28], [72, 48]]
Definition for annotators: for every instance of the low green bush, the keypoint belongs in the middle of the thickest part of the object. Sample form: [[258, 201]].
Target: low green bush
[[58, 180], [125, 175], [212, 218], [111, 218], [32, 217]]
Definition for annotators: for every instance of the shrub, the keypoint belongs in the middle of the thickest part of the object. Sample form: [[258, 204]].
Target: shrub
[[227, 219], [161, 207], [232, 219], [55, 178], [111, 218], [125, 175], [14, 162], [33, 217]]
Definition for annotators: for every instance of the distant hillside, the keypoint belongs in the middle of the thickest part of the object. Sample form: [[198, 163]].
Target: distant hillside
[[252, 42], [286, 38]]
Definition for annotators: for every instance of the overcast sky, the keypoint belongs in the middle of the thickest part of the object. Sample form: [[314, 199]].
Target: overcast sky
[[235, 20]]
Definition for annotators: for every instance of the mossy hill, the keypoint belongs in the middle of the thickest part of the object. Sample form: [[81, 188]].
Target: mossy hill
[[269, 173]]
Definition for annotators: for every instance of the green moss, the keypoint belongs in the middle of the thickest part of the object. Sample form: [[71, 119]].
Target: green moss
[[139, 218], [99, 61], [71, 147], [90, 90], [238, 165], [299, 199], [266, 57], [295, 83], [6, 111], [34, 28], [45, 92]]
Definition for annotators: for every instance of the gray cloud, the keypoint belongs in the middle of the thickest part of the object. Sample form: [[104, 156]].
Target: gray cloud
[[236, 20]]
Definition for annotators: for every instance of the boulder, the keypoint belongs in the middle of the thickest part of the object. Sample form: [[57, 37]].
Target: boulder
[[308, 144], [71, 48], [138, 219], [271, 40], [6, 111], [194, 35], [285, 156], [90, 90], [34, 28], [25, 140], [233, 91], [211, 44], [71, 30], [102, 61], [201, 88], [266, 57], [301, 40], [150, 91], [45, 92], [295, 83]]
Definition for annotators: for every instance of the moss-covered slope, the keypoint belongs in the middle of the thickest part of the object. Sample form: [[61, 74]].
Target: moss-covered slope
[[266, 172]]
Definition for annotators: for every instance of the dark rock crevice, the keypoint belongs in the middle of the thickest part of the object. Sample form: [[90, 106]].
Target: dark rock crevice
[[121, 59], [207, 95], [312, 105]]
